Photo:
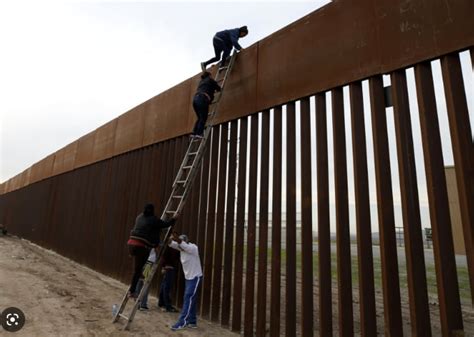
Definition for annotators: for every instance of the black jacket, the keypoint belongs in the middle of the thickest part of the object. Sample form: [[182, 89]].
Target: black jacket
[[208, 86], [148, 229]]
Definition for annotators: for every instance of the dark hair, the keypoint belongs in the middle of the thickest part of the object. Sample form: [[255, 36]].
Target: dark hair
[[244, 29], [205, 74], [149, 210]]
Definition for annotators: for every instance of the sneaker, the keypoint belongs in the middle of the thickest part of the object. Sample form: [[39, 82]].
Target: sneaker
[[199, 136], [192, 135], [203, 67], [144, 308], [172, 309], [192, 326], [177, 327]]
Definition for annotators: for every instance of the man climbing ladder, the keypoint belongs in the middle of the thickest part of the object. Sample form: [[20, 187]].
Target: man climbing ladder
[[180, 190]]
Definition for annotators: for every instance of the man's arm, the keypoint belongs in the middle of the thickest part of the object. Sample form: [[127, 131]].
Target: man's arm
[[166, 224], [174, 245], [234, 37], [188, 248]]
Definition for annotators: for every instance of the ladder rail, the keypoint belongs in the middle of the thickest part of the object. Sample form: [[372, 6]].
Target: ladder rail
[[202, 144], [192, 170], [149, 278], [180, 170]]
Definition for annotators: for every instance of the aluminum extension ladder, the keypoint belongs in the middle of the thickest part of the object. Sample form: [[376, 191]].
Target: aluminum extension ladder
[[181, 187]]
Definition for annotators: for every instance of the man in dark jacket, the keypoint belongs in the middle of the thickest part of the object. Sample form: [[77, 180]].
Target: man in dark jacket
[[223, 42], [201, 101], [144, 236]]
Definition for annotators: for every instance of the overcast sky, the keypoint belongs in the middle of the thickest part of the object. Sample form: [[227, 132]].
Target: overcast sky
[[68, 67]]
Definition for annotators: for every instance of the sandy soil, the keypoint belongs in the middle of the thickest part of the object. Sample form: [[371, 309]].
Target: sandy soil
[[62, 298]]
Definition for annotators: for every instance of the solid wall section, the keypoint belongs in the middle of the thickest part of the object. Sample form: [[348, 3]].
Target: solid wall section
[[104, 141], [129, 131], [84, 152], [342, 42], [65, 158]]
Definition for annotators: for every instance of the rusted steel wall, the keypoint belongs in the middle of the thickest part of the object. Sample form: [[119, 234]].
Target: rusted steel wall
[[97, 203], [306, 57], [262, 169]]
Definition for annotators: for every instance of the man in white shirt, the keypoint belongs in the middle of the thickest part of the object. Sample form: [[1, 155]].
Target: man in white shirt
[[189, 256]]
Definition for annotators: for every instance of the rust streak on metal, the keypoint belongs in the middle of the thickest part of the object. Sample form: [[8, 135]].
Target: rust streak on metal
[[263, 226], [219, 236], [306, 222], [461, 137], [229, 226], [368, 320], [211, 216], [445, 263], [388, 247], [275, 300], [416, 278], [324, 231], [344, 276], [251, 229], [240, 228], [290, 307]]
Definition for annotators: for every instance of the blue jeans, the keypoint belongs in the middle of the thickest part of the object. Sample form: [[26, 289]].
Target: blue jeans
[[165, 288], [144, 302], [188, 313]]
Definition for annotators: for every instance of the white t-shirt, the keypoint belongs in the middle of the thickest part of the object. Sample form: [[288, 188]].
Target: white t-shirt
[[152, 256], [189, 256]]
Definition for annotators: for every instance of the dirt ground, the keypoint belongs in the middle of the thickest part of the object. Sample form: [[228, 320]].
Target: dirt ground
[[62, 298]]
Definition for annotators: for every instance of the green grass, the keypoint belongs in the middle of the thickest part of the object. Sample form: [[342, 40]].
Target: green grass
[[462, 272]]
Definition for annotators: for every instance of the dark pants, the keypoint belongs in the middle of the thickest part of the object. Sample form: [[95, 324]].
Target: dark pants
[[140, 284], [140, 256], [165, 288], [219, 47], [201, 107]]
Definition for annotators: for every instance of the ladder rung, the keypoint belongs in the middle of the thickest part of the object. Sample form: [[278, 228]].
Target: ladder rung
[[182, 184]]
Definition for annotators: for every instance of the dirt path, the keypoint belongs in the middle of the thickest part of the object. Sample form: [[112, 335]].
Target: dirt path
[[62, 298]]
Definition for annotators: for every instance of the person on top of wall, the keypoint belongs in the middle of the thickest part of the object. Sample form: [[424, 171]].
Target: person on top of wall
[[223, 42], [144, 236], [201, 101], [189, 255]]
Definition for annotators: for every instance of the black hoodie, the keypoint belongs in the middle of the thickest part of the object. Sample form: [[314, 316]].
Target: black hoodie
[[148, 227], [208, 86]]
